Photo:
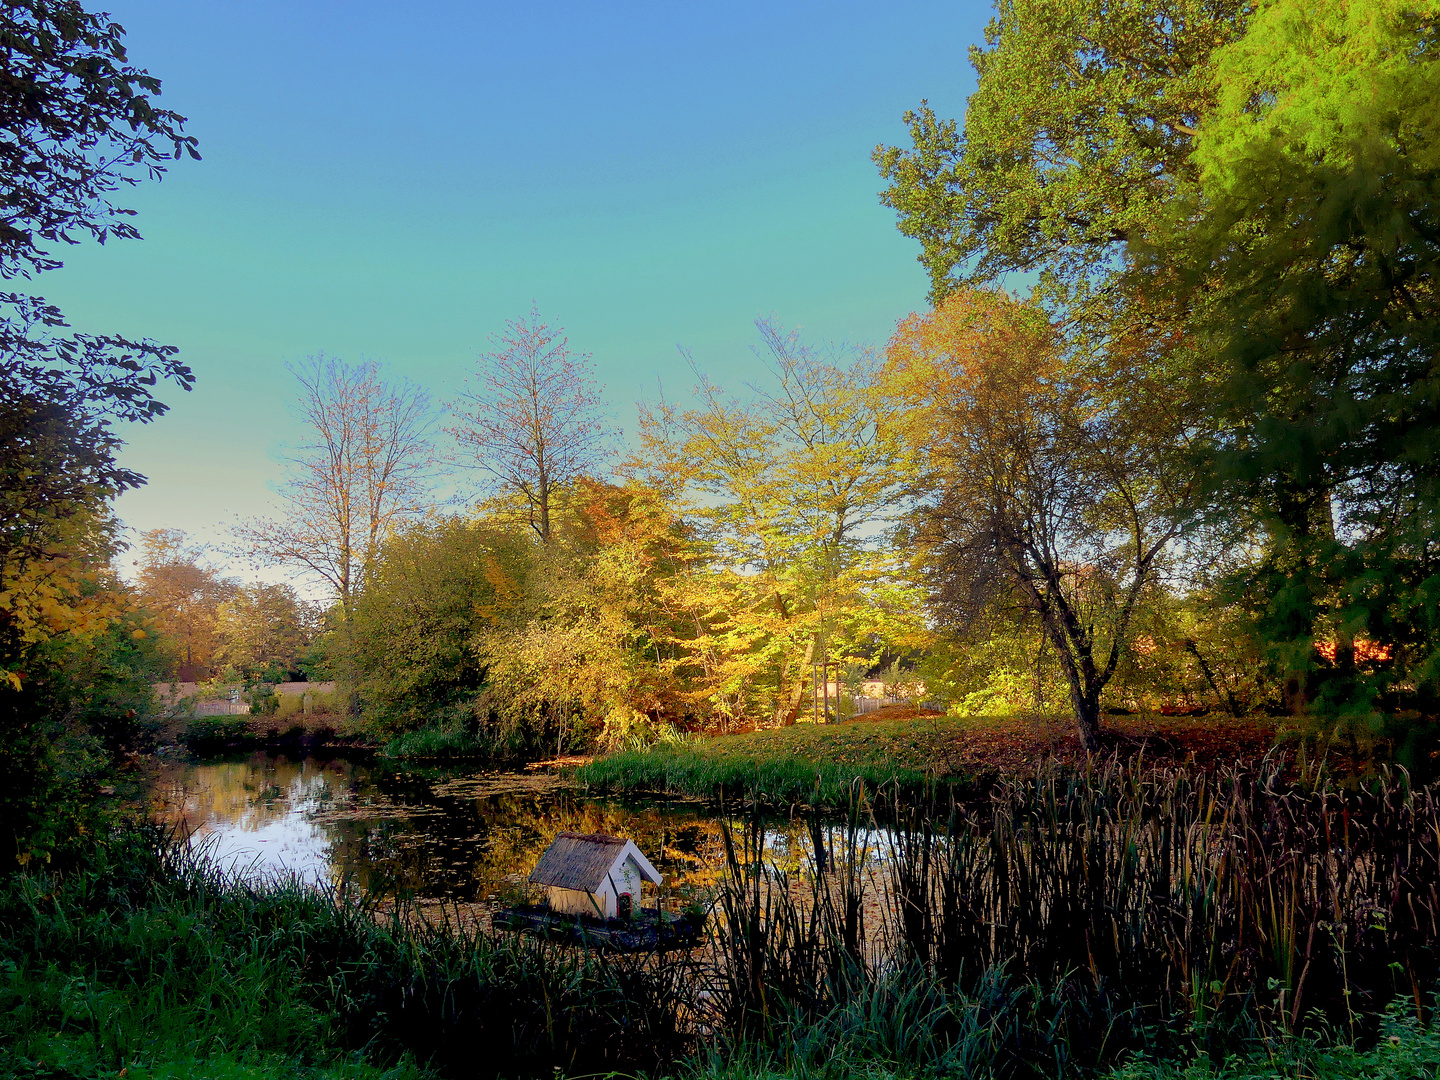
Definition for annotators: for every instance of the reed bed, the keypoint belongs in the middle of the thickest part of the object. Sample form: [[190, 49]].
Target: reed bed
[[1118, 909], [1064, 925]]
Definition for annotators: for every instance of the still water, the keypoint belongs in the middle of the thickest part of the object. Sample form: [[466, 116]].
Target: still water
[[453, 834]]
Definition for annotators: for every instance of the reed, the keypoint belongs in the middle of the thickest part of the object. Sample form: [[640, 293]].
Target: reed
[[1070, 923], [1131, 909]]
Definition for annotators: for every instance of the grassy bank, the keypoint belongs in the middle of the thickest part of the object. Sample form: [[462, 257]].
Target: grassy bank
[[441, 741], [707, 771], [144, 965], [292, 734], [822, 762], [815, 763], [1122, 921]]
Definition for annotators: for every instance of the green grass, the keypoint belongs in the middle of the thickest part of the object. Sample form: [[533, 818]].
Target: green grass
[[1407, 1050], [436, 744], [142, 963], [903, 1028], [123, 966], [815, 763], [782, 778], [1076, 925]]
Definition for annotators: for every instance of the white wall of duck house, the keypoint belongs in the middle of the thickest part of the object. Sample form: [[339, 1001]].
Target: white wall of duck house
[[603, 903]]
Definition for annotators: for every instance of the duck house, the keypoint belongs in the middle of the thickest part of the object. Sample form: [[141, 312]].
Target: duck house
[[593, 874]]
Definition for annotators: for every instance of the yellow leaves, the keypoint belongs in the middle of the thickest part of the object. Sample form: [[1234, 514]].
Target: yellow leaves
[[56, 589], [785, 497], [57, 595], [979, 349]]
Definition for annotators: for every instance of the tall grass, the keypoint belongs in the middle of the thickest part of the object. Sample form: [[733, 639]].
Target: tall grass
[[149, 962], [437, 744], [1124, 909], [780, 778], [1150, 919]]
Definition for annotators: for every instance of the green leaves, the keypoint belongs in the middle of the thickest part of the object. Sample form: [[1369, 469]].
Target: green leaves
[[1312, 238], [1078, 133]]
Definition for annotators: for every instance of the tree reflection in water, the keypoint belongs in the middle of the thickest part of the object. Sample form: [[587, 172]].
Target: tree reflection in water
[[435, 834]]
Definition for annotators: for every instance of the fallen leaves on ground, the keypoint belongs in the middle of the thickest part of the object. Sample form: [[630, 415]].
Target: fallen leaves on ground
[[928, 741]]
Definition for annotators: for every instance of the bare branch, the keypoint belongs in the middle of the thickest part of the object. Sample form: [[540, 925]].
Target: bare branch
[[532, 416], [367, 466]]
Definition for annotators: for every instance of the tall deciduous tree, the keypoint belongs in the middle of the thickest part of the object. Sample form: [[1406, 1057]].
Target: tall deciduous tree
[[365, 467], [790, 492], [1311, 244], [439, 583], [1078, 133], [1048, 489], [264, 627], [532, 416], [77, 121], [182, 597]]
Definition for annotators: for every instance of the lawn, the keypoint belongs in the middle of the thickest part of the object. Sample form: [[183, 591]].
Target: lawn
[[819, 762]]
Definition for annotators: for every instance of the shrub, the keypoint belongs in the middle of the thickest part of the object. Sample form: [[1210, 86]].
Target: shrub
[[213, 732], [440, 742]]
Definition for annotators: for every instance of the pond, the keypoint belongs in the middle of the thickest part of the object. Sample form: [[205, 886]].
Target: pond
[[438, 834]]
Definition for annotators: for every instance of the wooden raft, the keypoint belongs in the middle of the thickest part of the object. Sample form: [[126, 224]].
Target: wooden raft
[[646, 931]]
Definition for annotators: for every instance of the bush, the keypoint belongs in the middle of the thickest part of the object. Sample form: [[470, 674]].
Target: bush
[[441, 742], [262, 698], [214, 732]]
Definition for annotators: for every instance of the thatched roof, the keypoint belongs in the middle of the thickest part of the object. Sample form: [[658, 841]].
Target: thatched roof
[[582, 861]]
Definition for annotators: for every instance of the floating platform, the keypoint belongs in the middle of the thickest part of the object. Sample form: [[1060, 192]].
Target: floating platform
[[646, 931]]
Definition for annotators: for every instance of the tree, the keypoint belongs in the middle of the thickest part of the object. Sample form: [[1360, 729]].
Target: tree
[[1079, 132], [532, 415], [76, 122], [264, 629], [182, 598], [789, 493], [366, 469], [55, 480], [1052, 490], [594, 647], [438, 584], [1310, 245]]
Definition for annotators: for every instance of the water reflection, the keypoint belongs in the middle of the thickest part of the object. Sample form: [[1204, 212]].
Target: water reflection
[[436, 834]]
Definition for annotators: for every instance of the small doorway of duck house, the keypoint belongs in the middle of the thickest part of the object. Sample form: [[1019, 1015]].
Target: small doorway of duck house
[[593, 874]]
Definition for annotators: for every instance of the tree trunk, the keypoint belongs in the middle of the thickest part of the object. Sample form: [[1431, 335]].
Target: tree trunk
[[797, 692], [1293, 696], [1087, 720], [1227, 695], [1072, 649]]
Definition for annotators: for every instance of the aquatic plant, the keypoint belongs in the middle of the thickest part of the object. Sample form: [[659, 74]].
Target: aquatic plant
[[1128, 908], [1069, 923]]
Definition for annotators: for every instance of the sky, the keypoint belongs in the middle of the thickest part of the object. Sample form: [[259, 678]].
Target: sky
[[394, 181]]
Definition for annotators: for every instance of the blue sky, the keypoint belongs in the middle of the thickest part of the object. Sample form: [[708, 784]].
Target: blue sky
[[393, 181]]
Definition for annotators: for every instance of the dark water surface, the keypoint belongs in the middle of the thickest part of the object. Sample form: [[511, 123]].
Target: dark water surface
[[439, 833]]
